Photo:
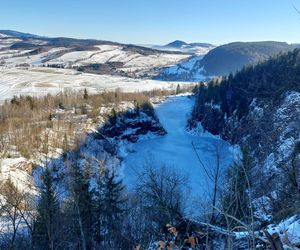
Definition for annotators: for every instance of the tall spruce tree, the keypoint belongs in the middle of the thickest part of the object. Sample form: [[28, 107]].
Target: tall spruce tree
[[82, 204], [113, 207], [46, 226]]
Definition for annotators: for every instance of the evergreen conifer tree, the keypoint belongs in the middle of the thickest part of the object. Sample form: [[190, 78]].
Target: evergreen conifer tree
[[46, 226]]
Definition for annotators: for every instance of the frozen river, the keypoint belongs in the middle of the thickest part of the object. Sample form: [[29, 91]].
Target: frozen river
[[176, 150]]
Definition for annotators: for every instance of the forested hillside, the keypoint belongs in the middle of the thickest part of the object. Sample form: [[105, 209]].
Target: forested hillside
[[259, 108], [231, 57]]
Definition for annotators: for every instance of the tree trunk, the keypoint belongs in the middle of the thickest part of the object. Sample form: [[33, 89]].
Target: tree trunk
[[83, 242], [274, 240]]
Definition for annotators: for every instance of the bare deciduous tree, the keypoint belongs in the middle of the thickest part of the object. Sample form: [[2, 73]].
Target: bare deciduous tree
[[161, 190]]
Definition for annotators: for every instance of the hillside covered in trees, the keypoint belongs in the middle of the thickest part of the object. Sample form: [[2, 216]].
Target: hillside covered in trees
[[231, 57], [259, 108]]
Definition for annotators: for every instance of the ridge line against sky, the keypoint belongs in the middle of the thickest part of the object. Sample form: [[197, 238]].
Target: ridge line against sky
[[156, 21]]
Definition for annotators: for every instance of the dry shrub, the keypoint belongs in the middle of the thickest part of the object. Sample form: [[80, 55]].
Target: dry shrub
[[24, 119]]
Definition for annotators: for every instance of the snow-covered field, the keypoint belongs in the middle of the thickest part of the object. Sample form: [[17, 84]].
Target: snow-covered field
[[175, 150], [113, 53], [40, 81], [33, 70], [28, 69], [14, 58], [7, 42], [131, 60]]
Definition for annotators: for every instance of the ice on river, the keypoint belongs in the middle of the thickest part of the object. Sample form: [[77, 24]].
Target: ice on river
[[176, 150]]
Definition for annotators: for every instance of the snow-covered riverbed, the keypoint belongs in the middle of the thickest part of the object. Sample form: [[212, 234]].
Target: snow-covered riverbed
[[175, 149]]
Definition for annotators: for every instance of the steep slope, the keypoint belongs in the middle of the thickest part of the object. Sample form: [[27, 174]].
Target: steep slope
[[259, 108], [182, 71], [187, 69], [231, 57]]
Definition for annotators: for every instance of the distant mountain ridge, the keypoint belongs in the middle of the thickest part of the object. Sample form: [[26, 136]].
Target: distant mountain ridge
[[180, 44], [231, 57], [13, 33], [176, 44], [194, 49], [27, 38]]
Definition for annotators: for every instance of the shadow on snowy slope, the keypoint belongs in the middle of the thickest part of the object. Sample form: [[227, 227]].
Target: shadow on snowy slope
[[99, 148]]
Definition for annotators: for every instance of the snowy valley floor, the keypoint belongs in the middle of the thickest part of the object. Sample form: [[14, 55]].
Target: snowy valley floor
[[39, 81], [175, 150]]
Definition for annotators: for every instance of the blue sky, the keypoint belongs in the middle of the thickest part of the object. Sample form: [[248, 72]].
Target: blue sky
[[156, 21]]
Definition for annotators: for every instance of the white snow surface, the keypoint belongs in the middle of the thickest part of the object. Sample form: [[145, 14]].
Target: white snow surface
[[7, 42], [175, 150], [3, 35], [186, 70], [36, 60], [132, 61], [15, 169], [39, 81]]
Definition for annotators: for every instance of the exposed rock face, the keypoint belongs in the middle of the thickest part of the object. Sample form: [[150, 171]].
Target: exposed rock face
[[132, 126]]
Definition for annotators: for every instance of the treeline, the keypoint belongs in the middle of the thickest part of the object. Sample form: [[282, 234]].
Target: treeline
[[231, 57], [233, 94], [28, 123]]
